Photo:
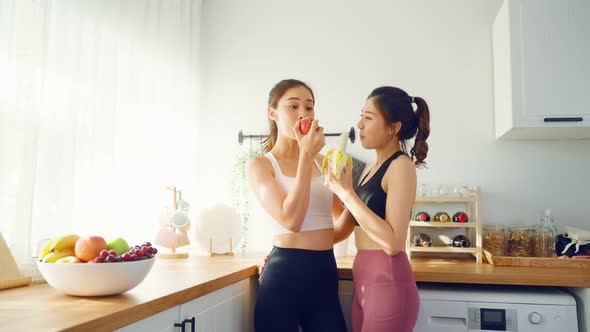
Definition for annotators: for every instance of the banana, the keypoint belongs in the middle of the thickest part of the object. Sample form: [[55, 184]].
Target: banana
[[337, 157], [68, 259], [64, 242], [54, 256], [45, 248]]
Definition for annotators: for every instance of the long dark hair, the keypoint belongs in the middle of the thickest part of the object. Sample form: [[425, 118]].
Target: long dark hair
[[396, 106], [273, 101]]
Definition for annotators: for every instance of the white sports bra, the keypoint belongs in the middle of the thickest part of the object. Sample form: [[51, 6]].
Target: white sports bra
[[319, 210]]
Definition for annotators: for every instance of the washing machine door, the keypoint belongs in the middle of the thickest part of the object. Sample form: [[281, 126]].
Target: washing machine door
[[442, 316]]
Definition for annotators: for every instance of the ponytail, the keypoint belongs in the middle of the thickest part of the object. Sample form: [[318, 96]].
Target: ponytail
[[420, 149], [269, 142], [396, 106]]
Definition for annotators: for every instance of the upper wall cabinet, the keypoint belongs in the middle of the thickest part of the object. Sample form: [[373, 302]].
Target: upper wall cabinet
[[542, 69]]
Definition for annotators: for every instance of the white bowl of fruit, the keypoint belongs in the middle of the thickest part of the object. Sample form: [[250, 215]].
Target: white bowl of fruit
[[89, 266]]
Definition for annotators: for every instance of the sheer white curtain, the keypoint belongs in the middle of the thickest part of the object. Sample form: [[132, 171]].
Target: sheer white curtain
[[107, 100]]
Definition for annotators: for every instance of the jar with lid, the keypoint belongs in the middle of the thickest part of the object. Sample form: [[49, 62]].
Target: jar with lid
[[494, 239], [520, 241]]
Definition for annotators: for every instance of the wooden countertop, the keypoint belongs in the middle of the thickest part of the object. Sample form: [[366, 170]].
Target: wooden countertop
[[172, 282], [432, 270]]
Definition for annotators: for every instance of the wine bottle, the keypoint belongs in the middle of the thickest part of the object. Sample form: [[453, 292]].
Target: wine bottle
[[422, 240], [442, 217], [460, 217], [461, 241], [422, 216]]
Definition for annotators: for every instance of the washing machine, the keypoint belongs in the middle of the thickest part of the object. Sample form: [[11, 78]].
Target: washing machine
[[461, 307]]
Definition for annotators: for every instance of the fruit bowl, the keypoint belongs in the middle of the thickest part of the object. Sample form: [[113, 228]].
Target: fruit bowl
[[84, 279]]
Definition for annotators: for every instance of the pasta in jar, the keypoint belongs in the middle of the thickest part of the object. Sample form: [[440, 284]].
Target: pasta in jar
[[520, 241], [494, 239]]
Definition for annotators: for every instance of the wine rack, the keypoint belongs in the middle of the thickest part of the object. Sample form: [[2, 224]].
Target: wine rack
[[438, 231]]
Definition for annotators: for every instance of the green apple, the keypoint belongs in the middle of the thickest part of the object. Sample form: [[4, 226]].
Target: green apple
[[119, 245]]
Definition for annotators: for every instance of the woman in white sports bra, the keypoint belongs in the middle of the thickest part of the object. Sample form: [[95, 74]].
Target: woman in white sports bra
[[299, 286]]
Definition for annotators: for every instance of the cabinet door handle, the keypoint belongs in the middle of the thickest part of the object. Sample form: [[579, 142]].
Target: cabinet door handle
[[192, 322], [181, 325], [565, 119]]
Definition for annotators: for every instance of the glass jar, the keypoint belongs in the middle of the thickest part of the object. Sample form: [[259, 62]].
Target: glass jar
[[29, 269], [545, 235], [494, 239], [520, 241]]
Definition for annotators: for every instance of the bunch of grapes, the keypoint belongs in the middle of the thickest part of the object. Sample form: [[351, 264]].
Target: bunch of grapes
[[136, 253]]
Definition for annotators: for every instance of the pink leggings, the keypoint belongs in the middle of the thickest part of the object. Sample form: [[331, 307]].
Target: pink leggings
[[385, 297]]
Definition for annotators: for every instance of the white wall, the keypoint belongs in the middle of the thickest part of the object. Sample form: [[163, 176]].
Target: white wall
[[439, 50]]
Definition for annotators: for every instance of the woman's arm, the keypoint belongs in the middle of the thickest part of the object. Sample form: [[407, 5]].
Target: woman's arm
[[288, 209], [344, 222], [343, 225], [401, 193], [337, 208]]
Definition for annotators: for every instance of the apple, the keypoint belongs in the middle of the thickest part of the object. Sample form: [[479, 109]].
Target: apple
[[87, 248], [304, 126], [119, 245]]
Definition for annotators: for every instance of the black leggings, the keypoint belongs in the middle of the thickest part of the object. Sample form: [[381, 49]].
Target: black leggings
[[299, 287]]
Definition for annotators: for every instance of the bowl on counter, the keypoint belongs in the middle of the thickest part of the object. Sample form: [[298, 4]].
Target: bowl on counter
[[98, 279]]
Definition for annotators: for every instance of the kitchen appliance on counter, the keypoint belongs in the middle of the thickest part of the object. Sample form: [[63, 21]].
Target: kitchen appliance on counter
[[457, 307]]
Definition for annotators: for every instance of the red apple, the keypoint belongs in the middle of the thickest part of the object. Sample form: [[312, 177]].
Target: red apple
[[304, 126], [87, 248]]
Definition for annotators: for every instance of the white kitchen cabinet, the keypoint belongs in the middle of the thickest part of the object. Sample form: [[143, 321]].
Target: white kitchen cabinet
[[233, 314], [161, 322], [541, 69], [226, 310]]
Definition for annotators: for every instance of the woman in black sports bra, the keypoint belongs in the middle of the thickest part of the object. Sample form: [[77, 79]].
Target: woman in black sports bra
[[385, 297]]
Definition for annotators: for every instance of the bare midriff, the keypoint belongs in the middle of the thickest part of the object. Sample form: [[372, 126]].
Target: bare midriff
[[363, 241], [321, 239]]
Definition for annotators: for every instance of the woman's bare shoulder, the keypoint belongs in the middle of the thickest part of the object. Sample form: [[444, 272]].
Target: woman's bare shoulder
[[401, 173], [402, 166], [259, 164]]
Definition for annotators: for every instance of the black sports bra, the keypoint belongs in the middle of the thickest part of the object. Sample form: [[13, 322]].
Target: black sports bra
[[371, 192]]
